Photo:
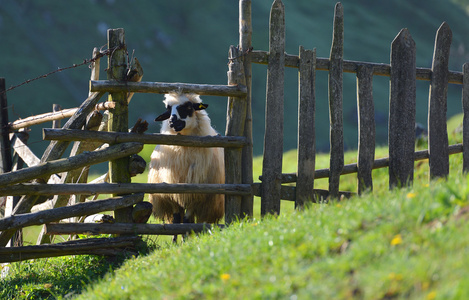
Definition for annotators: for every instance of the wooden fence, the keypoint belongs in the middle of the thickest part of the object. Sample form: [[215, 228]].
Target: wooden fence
[[403, 74], [90, 130]]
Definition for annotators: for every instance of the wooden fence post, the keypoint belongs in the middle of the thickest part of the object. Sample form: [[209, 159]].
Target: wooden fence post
[[306, 129], [401, 137], [335, 102], [6, 160], [273, 139], [465, 106], [366, 126], [437, 106], [5, 145], [245, 45], [236, 115], [118, 117]]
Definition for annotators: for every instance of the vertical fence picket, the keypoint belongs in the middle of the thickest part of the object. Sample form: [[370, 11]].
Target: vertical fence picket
[[245, 44], [402, 95], [335, 102], [235, 117], [366, 126], [6, 160], [273, 139], [437, 106], [5, 145], [306, 130], [465, 106]]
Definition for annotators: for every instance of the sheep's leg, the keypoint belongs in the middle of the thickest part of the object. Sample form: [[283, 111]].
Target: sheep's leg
[[176, 220]]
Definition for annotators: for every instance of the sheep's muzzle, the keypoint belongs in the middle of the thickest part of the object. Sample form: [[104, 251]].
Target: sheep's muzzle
[[177, 124]]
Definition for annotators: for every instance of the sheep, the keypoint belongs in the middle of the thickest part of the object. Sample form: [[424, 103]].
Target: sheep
[[185, 114]]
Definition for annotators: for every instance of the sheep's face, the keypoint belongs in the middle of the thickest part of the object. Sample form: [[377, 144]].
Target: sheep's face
[[181, 114]]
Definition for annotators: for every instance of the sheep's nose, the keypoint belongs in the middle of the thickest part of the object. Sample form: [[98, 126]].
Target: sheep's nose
[[176, 123]]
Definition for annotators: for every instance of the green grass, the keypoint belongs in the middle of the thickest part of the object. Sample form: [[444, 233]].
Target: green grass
[[402, 244], [52, 278]]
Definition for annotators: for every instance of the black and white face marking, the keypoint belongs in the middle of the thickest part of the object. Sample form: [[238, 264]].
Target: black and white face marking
[[177, 114]]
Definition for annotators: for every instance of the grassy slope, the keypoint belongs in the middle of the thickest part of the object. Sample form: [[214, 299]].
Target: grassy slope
[[377, 246], [407, 243]]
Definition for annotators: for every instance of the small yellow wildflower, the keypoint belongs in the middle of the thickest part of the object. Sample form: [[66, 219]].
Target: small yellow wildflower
[[411, 195], [338, 205], [225, 276], [394, 276], [48, 285], [431, 295], [396, 240]]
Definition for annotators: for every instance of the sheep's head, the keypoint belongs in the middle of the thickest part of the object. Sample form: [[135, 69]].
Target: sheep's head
[[181, 112]]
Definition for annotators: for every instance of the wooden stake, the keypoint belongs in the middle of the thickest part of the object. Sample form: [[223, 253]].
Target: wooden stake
[[306, 128], [402, 107], [273, 138], [366, 125], [245, 47], [437, 104]]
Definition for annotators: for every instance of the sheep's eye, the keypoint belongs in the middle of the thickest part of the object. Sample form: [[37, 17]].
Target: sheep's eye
[[185, 110]]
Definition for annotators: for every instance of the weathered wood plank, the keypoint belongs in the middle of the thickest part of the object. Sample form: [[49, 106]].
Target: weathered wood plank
[[79, 209], [437, 104], [65, 164], [245, 44], [351, 66], [289, 193], [125, 188], [164, 88], [50, 116], [126, 228], [273, 138], [366, 127], [377, 164], [306, 129], [335, 102], [236, 115], [93, 246], [465, 106], [5, 144], [145, 138], [119, 116], [402, 106]]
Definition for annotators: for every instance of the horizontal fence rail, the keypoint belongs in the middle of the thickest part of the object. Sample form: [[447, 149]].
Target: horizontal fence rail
[[92, 246], [163, 88], [145, 138], [126, 228], [351, 66], [53, 116], [378, 163], [124, 188]]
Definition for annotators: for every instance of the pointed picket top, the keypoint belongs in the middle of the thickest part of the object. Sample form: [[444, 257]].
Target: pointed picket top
[[277, 23], [404, 38]]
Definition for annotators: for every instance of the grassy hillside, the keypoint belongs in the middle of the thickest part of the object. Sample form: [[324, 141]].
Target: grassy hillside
[[181, 41], [405, 244]]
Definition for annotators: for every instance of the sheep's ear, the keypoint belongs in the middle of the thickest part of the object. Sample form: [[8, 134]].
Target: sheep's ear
[[163, 116], [199, 106]]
